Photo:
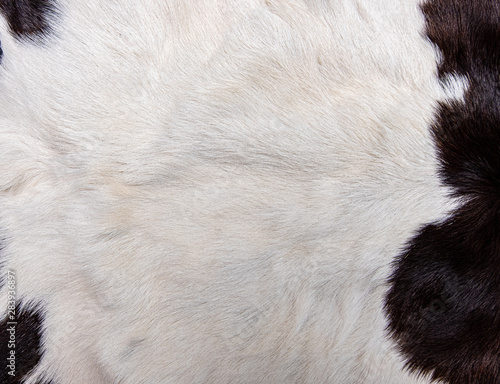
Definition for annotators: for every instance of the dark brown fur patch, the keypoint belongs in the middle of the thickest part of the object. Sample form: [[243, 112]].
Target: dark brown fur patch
[[28, 19], [444, 300], [24, 330]]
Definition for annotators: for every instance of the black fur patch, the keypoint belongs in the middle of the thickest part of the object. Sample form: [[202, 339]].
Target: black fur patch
[[28, 18], [25, 331], [444, 300]]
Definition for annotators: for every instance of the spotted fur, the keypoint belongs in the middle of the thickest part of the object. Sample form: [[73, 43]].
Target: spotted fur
[[254, 191]]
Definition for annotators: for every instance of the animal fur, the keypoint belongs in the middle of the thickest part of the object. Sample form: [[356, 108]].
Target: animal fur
[[218, 191]]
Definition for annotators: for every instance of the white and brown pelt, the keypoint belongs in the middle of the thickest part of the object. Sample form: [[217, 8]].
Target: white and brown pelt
[[250, 191]]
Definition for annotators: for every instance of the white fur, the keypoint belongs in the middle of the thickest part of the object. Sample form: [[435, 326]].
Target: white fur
[[455, 87], [213, 191]]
